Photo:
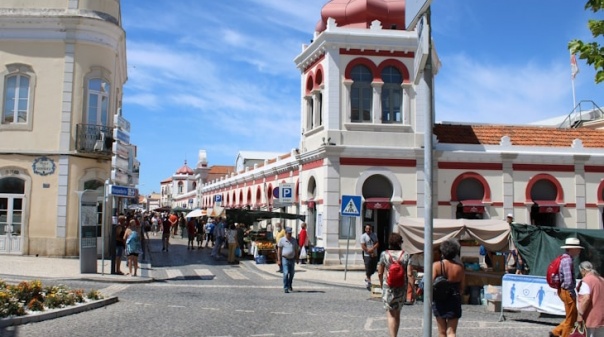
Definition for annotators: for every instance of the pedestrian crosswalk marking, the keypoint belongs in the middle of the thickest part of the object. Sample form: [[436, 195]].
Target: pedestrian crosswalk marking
[[113, 289], [351, 208], [205, 274], [174, 273], [235, 274]]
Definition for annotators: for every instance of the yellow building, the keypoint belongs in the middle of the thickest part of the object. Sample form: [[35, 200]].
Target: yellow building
[[63, 64]]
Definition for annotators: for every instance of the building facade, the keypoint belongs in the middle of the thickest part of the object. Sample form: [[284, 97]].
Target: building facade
[[63, 67], [364, 104]]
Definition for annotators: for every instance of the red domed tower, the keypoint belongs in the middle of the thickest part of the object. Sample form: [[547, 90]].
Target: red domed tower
[[361, 13]]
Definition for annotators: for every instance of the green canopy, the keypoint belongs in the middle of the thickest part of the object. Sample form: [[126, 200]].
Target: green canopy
[[539, 245], [248, 217]]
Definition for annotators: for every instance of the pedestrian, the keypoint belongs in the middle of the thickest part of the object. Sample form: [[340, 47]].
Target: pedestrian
[[287, 257], [144, 232], [165, 236], [120, 243], [200, 229], [240, 236], [303, 240], [209, 229], [566, 292], [191, 229], [590, 303], [133, 246], [448, 311], [393, 297], [231, 235], [279, 234], [154, 224], [182, 224], [219, 234], [370, 246], [173, 223]]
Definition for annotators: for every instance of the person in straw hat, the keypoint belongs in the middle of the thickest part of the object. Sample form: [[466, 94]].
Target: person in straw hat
[[567, 294]]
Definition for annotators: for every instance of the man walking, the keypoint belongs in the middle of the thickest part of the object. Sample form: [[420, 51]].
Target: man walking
[[567, 293], [287, 257], [280, 233], [370, 245], [120, 243]]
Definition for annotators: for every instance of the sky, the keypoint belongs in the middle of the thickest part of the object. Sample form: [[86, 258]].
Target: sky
[[219, 76]]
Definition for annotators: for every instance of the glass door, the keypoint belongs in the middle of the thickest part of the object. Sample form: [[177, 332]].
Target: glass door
[[11, 215]]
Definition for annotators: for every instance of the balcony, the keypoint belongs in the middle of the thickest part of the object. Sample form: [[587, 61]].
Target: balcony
[[94, 139]]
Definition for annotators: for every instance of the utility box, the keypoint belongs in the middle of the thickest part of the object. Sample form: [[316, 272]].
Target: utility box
[[88, 231]]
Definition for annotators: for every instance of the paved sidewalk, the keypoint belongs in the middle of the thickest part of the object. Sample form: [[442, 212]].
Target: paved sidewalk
[[15, 266]]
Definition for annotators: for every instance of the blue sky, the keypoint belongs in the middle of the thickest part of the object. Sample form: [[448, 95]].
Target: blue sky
[[219, 75]]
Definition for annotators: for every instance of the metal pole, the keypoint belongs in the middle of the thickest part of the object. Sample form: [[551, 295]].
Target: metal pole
[[103, 222], [350, 224], [428, 210]]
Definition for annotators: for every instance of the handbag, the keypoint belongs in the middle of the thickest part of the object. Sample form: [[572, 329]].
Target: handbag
[[303, 254], [578, 330]]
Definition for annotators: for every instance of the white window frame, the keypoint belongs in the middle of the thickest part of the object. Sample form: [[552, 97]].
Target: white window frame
[[21, 70], [102, 75]]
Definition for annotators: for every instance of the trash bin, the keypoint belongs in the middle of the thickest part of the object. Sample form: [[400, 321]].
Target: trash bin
[[317, 255], [474, 292]]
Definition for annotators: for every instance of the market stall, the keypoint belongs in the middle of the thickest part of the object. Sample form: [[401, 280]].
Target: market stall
[[263, 246]]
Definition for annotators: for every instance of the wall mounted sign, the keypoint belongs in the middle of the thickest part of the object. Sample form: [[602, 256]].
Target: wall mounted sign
[[44, 166]]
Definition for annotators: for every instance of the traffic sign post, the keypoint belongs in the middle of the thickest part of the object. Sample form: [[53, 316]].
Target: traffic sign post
[[218, 200], [351, 207], [286, 193]]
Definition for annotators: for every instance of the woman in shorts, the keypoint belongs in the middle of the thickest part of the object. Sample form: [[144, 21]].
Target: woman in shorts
[[133, 246]]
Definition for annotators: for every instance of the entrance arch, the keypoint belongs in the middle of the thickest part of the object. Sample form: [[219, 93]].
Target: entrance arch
[[12, 226], [377, 190]]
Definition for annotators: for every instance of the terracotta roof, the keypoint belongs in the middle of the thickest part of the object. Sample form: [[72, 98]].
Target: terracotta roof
[[219, 171], [185, 169], [360, 13], [519, 135]]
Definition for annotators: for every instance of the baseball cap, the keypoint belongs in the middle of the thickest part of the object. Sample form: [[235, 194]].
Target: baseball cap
[[288, 229]]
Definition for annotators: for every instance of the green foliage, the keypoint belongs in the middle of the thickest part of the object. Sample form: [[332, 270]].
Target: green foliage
[[592, 52]]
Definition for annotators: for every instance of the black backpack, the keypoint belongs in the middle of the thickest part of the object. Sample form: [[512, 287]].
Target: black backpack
[[441, 288]]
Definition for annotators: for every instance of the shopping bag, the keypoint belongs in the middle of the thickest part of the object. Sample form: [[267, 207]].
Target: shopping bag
[[578, 330], [238, 252], [303, 254]]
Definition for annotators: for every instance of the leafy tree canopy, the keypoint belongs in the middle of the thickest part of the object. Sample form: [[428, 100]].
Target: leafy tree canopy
[[592, 52]]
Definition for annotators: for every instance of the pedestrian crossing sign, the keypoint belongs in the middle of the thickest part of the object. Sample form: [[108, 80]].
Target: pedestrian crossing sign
[[351, 205]]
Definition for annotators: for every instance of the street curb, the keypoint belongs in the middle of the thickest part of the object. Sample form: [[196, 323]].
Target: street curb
[[43, 316]]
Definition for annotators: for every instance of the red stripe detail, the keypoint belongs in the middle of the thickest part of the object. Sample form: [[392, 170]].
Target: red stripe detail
[[470, 166], [379, 162], [546, 168]]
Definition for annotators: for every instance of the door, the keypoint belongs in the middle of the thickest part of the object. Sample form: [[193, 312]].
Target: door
[[11, 215]]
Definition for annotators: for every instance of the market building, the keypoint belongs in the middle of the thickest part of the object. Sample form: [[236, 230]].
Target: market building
[[63, 67], [364, 103]]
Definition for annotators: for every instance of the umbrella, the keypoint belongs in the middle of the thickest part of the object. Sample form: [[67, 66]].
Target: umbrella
[[163, 209], [180, 209], [196, 213]]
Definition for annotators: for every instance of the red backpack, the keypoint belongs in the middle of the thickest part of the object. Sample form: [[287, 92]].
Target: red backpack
[[553, 273], [396, 272]]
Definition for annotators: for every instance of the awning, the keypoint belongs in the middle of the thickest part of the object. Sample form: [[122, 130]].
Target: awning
[[472, 206], [378, 203], [548, 206]]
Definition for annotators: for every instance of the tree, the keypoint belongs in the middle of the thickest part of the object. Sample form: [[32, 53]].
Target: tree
[[592, 52]]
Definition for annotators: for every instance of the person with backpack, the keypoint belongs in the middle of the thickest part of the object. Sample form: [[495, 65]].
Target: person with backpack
[[566, 287], [446, 297], [392, 269]]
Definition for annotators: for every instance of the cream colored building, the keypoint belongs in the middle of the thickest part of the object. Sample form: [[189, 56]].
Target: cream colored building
[[364, 104], [63, 67]]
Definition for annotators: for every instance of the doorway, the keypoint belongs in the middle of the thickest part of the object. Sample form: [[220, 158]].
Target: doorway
[[11, 215]]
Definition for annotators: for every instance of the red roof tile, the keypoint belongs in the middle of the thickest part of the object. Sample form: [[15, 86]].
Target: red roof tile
[[519, 135]]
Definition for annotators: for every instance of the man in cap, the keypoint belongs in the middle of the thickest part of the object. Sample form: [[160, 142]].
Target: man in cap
[[287, 256], [510, 218], [567, 294]]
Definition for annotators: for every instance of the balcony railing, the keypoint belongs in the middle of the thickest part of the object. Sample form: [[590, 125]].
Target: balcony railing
[[97, 139]]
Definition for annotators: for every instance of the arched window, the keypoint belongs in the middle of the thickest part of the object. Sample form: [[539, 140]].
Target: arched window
[[12, 185], [360, 94], [180, 186], [17, 88], [392, 94]]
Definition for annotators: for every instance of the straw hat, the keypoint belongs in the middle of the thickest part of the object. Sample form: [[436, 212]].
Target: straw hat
[[572, 243]]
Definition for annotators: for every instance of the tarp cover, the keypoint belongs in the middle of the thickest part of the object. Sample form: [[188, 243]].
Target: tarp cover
[[493, 234], [539, 245], [248, 217]]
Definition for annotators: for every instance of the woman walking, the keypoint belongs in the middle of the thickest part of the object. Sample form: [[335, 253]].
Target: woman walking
[[393, 297], [133, 246], [448, 311], [591, 300]]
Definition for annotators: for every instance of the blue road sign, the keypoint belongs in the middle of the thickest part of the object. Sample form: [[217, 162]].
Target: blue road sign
[[286, 192], [351, 205], [218, 198]]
